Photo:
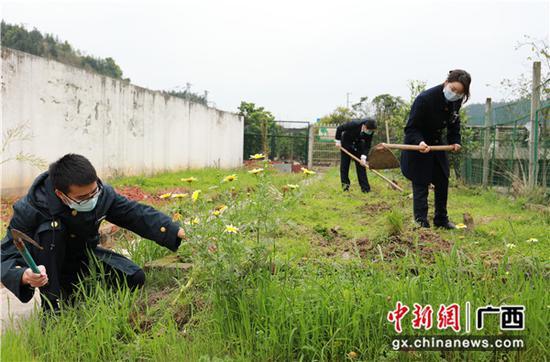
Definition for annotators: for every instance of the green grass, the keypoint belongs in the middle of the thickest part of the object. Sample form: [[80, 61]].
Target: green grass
[[311, 275]]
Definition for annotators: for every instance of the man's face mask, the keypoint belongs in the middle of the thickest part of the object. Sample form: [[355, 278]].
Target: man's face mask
[[367, 132], [85, 205]]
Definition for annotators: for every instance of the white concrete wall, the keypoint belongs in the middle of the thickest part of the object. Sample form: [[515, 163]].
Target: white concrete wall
[[123, 129]]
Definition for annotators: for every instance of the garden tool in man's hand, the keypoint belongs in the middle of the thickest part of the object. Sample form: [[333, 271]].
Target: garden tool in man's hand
[[368, 167], [19, 239]]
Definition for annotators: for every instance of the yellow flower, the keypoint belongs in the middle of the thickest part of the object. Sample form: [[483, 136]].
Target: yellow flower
[[189, 179], [256, 171], [352, 355], [222, 207], [195, 195], [532, 240], [307, 172], [195, 221], [257, 156], [461, 226], [510, 245], [179, 196], [231, 229], [165, 196], [219, 210], [292, 186], [230, 178], [177, 216]]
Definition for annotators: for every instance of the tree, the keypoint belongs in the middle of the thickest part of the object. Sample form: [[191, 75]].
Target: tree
[[520, 88], [339, 116], [257, 121], [33, 42], [388, 110]]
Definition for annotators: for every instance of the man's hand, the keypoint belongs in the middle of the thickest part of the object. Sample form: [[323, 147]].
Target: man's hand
[[337, 143], [424, 148], [364, 162], [35, 280], [456, 147], [181, 234]]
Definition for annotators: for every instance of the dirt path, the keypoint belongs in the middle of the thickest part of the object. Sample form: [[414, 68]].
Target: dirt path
[[12, 310]]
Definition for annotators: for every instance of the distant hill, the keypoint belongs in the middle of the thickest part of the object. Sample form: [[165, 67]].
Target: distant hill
[[49, 46], [503, 112]]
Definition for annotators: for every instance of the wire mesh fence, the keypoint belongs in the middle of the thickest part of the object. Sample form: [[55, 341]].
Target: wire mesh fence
[[285, 141], [324, 151], [507, 152]]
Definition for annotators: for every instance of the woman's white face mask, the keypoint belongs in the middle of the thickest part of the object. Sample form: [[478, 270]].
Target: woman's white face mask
[[450, 95]]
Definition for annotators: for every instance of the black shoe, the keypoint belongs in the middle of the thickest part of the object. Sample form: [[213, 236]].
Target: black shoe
[[422, 224], [365, 191], [448, 225], [345, 188]]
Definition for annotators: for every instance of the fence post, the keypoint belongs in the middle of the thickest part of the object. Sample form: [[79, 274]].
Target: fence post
[[533, 129], [387, 127], [487, 140], [311, 138], [265, 146]]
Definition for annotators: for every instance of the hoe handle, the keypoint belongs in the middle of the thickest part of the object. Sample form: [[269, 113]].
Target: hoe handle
[[26, 255], [416, 147]]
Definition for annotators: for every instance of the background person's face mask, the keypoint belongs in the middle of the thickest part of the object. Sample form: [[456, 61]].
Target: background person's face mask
[[450, 95], [365, 131]]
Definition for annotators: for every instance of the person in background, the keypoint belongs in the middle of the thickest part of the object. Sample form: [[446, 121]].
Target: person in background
[[355, 137], [434, 111]]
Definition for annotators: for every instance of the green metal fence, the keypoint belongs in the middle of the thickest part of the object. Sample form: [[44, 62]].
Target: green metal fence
[[285, 141], [507, 155]]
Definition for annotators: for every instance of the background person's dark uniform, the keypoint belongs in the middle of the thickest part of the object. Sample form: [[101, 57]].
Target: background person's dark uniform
[[351, 138], [67, 236], [430, 115]]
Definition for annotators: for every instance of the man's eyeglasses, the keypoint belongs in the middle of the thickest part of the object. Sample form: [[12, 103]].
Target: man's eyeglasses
[[90, 196]]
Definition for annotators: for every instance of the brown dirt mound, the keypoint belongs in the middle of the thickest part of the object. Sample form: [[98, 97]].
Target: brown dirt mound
[[376, 208], [133, 193], [423, 243]]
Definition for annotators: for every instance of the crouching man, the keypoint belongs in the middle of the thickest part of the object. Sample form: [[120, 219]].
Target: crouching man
[[62, 212]]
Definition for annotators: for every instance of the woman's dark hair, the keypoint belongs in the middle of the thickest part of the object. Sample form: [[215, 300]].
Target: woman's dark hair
[[72, 169], [370, 123], [462, 76]]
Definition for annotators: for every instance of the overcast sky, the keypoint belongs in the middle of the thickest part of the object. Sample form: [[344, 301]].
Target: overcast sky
[[297, 58]]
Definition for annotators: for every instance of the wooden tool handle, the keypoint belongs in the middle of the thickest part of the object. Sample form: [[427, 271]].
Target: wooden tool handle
[[416, 147], [376, 172]]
